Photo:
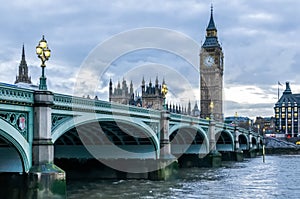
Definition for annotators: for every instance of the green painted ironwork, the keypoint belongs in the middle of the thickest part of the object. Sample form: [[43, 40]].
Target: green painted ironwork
[[10, 94], [9, 133], [58, 119], [19, 120], [16, 115], [66, 102], [154, 126]]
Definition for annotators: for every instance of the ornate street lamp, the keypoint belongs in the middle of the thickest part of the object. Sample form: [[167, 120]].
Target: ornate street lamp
[[43, 53], [249, 124], [235, 119], [211, 106], [164, 91]]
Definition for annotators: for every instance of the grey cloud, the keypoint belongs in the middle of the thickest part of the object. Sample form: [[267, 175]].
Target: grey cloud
[[258, 37]]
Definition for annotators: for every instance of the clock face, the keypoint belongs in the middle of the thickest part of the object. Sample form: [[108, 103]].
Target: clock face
[[209, 61]]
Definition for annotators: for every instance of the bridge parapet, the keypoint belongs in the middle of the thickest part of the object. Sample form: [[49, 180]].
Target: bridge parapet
[[188, 119], [10, 94], [80, 104]]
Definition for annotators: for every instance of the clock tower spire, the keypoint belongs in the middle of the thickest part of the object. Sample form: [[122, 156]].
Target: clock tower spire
[[211, 73]]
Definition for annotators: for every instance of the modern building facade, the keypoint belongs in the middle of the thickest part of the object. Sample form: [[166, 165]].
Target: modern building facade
[[211, 74], [264, 125], [287, 113]]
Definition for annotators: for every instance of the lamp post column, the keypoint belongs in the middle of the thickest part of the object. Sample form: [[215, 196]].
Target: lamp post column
[[44, 179], [166, 162], [212, 125], [214, 158]]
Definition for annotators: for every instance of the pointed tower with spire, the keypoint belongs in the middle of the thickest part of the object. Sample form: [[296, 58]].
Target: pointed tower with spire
[[211, 73], [120, 94], [23, 70], [151, 95]]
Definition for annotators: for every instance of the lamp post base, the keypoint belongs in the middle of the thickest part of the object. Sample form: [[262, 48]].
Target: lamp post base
[[43, 84]]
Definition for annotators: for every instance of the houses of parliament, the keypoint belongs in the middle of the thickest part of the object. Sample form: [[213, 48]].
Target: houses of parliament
[[211, 83]]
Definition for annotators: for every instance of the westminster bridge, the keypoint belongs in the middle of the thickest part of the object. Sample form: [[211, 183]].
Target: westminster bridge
[[39, 128]]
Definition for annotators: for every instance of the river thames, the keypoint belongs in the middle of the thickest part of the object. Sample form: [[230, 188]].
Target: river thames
[[278, 177]]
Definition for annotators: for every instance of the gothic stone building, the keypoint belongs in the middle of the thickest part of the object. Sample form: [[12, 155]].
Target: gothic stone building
[[23, 71], [211, 74], [211, 82], [151, 94], [121, 94], [151, 98]]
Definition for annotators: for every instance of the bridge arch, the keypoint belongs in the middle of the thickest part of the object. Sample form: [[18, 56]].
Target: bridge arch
[[198, 136], [243, 141], [21, 155], [254, 142], [224, 141], [87, 119]]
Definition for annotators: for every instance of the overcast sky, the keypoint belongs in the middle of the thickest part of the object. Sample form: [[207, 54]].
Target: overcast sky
[[260, 40]]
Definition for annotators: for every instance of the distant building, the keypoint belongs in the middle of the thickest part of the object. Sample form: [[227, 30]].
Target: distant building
[[195, 112], [121, 94], [23, 80], [239, 121], [211, 70], [264, 125], [23, 71], [287, 113], [151, 97], [151, 94]]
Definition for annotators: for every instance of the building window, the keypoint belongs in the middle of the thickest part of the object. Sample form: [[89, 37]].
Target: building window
[[289, 109], [295, 109], [283, 115], [295, 114], [289, 115], [277, 109]]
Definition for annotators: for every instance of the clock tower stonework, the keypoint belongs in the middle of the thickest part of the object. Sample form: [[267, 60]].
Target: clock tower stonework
[[211, 74]]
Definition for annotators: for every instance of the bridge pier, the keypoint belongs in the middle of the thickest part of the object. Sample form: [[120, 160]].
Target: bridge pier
[[237, 154], [251, 152], [45, 180], [214, 158], [167, 163]]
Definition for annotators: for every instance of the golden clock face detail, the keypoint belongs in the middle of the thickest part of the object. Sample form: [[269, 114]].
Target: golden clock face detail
[[209, 61]]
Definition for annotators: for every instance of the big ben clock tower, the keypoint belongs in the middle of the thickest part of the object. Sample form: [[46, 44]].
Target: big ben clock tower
[[211, 74]]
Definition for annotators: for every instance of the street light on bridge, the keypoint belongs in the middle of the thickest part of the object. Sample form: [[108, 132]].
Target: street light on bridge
[[164, 91], [211, 106], [235, 119], [43, 53]]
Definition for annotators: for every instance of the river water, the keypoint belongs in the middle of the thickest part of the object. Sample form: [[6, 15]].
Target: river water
[[278, 177]]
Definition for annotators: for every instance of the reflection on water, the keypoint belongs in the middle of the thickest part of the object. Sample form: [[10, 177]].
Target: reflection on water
[[279, 177]]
